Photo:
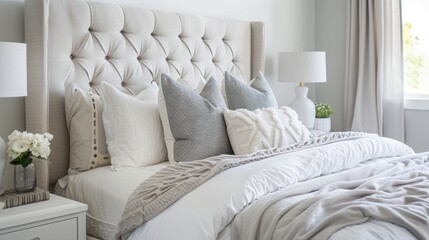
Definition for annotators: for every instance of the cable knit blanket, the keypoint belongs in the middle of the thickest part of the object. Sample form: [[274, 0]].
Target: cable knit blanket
[[170, 184]]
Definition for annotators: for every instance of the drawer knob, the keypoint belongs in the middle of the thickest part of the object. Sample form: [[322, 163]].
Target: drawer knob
[[36, 238]]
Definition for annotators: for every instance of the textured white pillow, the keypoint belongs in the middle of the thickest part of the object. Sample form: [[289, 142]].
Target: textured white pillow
[[133, 127], [88, 148], [250, 131]]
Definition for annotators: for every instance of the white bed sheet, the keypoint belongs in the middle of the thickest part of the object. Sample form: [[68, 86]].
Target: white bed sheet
[[106, 193]]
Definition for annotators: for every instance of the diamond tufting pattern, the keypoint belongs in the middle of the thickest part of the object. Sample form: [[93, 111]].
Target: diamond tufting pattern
[[129, 47], [89, 42]]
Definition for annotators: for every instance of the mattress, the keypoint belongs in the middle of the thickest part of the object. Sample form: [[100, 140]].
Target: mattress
[[106, 193]]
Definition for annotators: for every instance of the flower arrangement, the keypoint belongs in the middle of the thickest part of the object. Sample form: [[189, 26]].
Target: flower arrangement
[[323, 110], [23, 147]]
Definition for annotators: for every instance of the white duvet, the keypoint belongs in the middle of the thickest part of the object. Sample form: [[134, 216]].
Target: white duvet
[[218, 208]]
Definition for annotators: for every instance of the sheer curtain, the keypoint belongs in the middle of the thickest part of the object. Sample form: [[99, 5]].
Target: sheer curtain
[[374, 95]]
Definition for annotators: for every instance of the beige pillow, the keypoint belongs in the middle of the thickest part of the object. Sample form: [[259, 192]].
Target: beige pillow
[[250, 131], [88, 148]]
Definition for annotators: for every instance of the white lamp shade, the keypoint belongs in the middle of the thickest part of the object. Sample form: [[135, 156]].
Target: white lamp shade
[[13, 69], [302, 67]]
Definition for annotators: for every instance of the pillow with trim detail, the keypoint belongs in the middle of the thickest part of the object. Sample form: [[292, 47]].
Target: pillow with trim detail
[[87, 138]]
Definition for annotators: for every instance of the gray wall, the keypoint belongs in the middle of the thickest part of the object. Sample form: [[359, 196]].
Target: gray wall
[[330, 36], [11, 30], [417, 129], [289, 26]]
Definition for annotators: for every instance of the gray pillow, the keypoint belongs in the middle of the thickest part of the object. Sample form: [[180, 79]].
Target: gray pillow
[[194, 126], [257, 95]]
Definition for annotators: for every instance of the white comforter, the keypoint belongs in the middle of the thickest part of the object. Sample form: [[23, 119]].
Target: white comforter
[[208, 211]]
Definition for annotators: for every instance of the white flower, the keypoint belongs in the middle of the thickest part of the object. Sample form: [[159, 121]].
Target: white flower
[[20, 146], [13, 155], [48, 136], [35, 145], [14, 135], [45, 150]]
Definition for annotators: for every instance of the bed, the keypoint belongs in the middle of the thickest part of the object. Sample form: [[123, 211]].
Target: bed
[[341, 185]]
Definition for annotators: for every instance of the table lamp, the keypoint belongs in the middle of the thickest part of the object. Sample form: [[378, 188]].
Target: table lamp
[[302, 67], [13, 83]]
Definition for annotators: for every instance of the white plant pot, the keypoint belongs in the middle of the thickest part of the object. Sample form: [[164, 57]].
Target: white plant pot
[[322, 124]]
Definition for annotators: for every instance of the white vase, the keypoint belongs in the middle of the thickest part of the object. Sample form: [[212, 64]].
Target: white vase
[[322, 124]]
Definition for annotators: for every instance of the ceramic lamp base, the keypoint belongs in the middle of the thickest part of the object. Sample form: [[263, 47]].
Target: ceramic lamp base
[[304, 107]]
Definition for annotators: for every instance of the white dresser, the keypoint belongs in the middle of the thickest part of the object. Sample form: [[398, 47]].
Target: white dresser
[[57, 218]]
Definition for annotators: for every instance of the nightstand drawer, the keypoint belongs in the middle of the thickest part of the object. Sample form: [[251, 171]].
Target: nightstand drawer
[[64, 230]]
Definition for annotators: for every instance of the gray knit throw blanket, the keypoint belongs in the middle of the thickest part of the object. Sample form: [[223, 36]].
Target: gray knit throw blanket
[[168, 185]]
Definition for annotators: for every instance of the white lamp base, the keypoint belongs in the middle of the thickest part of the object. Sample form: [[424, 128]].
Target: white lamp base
[[304, 107], [3, 158]]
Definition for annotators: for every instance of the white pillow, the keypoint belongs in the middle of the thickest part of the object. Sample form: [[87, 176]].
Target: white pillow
[[194, 86], [88, 148], [250, 131], [133, 127]]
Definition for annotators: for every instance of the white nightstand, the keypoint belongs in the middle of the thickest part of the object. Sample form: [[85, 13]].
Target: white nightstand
[[57, 218]]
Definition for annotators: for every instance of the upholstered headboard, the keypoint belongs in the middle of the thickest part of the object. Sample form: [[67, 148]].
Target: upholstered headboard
[[89, 42]]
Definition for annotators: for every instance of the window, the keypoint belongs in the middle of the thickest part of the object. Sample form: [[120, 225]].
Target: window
[[415, 20]]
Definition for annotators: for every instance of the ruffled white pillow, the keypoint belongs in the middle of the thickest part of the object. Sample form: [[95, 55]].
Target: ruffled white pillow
[[250, 131]]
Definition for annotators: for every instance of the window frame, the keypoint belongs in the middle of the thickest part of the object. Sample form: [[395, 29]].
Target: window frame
[[412, 101], [416, 101]]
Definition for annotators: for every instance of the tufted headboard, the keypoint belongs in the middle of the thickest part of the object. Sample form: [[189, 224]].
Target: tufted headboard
[[89, 42]]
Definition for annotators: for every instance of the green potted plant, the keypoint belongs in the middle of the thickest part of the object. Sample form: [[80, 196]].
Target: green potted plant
[[323, 117]]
